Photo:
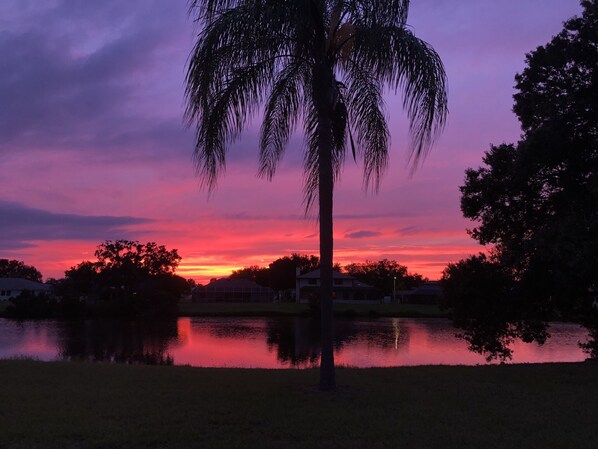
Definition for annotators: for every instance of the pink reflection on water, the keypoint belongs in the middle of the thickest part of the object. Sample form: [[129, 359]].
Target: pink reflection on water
[[273, 343], [433, 342], [380, 343], [198, 346], [30, 339]]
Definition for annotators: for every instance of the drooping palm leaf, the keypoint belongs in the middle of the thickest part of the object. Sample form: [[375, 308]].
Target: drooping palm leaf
[[280, 116]]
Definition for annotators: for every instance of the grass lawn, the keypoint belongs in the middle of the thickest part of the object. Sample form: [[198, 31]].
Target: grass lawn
[[294, 309], [62, 405]]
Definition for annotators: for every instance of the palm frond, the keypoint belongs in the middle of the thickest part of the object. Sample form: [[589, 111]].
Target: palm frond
[[311, 172], [247, 47], [280, 116], [398, 58], [231, 41], [230, 108], [206, 11], [366, 113], [368, 13], [311, 161], [231, 67]]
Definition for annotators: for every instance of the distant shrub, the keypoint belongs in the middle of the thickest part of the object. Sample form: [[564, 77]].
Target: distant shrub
[[29, 305]]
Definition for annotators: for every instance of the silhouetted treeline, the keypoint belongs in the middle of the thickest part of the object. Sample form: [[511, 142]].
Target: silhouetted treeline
[[385, 275], [129, 279]]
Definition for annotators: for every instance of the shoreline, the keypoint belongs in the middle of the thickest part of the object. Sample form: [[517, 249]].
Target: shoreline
[[190, 309]]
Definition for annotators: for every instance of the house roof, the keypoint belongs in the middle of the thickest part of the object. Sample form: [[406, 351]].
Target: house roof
[[336, 275], [316, 275], [22, 284], [430, 288], [231, 283]]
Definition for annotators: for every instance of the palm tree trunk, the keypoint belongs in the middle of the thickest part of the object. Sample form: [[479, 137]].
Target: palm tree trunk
[[327, 375], [323, 98]]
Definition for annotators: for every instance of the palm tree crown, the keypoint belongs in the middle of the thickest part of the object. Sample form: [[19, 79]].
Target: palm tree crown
[[295, 57], [322, 63]]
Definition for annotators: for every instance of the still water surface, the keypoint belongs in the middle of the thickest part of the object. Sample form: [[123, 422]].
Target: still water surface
[[266, 342]]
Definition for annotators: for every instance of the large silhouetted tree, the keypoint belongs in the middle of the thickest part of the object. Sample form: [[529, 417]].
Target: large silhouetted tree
[[536, 202], [325, 62], [257, 274], [136, 278], [283, 271]]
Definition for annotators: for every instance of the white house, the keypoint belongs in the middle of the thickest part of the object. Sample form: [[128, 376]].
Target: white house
[[13, 287], [345, 288]]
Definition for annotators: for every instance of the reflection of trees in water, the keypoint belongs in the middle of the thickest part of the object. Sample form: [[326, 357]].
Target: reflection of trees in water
[[236, 328], [118, 341], [297, 340], [385, 333], [590, 347]]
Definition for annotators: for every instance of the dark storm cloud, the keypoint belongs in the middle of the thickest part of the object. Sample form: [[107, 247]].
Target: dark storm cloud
[[20, 225], [80, 75], [362, 234]]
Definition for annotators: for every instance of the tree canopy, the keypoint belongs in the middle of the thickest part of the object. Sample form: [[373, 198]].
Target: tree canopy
[[386, 275], [18, 269], [135, 278], [126, 254], [559, 86], [536, 202], [255, 273], [281, 273]]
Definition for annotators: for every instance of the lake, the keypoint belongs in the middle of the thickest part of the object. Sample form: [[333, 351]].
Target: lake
[[267, 342]]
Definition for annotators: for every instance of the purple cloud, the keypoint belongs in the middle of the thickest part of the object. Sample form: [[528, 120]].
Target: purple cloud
[[362, 234], [19, 225], [81, 82]]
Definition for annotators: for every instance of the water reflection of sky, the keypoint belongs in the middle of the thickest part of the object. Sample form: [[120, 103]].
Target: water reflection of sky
[[32, 339], [267, 342]]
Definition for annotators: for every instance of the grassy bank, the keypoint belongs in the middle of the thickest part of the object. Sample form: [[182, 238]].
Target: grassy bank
[[293, 309], [58, 405]]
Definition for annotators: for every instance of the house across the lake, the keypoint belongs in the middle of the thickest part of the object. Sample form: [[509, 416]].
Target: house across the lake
[[345, 288], [232, 290], [428, 293], [13, 287]]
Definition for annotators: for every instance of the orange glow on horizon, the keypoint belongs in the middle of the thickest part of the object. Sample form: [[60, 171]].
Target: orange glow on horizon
[[53, 258], [429, 262], [214, 245]]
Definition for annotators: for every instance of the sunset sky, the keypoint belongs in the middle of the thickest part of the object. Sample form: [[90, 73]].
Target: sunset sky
[[93, 146]]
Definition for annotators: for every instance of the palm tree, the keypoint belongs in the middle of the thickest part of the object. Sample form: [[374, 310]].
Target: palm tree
[[324, 63]]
